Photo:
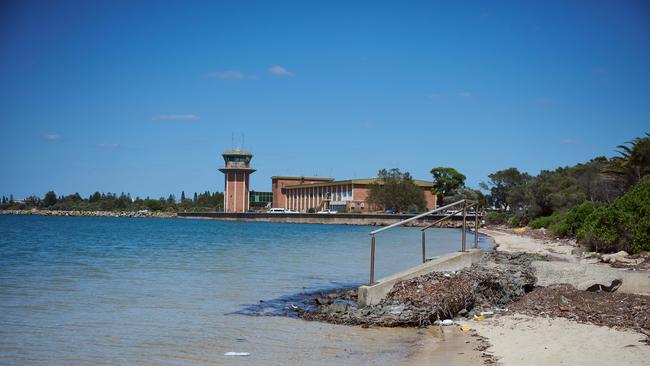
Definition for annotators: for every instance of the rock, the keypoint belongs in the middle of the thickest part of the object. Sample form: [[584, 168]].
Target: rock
[[613, 258], [322, 300], [394, 309], [338, 306]]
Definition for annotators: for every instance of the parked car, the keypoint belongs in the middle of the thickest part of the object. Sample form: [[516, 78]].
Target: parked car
[[288, 210], [390, 211], [327, 211], [277, 210]]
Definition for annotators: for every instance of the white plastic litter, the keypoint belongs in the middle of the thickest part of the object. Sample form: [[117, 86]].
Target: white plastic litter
[[236, 354], [447, 322]]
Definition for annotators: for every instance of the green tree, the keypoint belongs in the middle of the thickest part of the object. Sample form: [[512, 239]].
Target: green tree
[[49, 199], [501, 186], [396, 190], [446, 181], [633, 162]]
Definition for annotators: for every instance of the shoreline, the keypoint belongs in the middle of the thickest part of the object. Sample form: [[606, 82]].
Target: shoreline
[[547, 323], [299, 218]]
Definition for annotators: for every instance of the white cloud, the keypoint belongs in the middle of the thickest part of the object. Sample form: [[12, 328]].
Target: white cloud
[[228, 74], [279, 70], [53, 137], [464, 94], [107, 146], [176, 117]]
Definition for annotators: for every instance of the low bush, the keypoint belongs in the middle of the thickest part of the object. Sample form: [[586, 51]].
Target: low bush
[[623, 225], [568, 223], [497, 218], [518, 220], [543, 222]]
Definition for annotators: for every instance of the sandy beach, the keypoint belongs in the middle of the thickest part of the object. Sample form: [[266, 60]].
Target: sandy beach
[[517, 339]]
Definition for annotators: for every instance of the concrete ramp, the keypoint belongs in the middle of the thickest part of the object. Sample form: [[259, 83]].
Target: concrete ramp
[[372, 295], [586, 276]]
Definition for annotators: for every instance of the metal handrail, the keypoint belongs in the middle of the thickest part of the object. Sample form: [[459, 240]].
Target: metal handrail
[[415, 217], [464, 239], [464, 202]]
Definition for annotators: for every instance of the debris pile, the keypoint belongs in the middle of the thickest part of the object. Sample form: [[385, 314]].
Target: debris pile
[[423, 300], [612, 309]]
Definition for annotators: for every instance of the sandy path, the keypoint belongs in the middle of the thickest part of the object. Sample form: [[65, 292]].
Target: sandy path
[[511, 243]]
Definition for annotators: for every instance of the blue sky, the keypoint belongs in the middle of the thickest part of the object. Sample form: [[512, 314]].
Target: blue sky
[[143, 96]]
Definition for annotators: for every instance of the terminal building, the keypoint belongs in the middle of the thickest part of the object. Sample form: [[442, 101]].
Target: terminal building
[[303, 193], [299, 193]]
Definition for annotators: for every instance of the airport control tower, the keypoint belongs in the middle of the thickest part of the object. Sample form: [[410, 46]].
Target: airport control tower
[[237, 180]]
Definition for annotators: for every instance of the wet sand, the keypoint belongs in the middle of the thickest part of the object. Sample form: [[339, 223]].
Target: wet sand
[[447, 346]]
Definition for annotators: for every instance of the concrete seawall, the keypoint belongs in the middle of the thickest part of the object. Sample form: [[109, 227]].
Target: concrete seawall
[[372, 295], [307, 218]]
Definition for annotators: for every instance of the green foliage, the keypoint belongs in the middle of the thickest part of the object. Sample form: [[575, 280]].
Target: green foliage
[[446, 181], [49, 199], [568, 223], [633, 162], [623, 225], [112, 202], [518, 220], [396, 190], [497, 218], [543, 222], [311, 210], [504, 187]]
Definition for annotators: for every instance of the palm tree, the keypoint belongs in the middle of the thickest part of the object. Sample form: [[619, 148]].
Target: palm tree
[[633, 162]]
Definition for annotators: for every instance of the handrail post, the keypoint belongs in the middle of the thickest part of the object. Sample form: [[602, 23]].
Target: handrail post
[[464, 243], [372, 260], [424, 247], [476, 227]]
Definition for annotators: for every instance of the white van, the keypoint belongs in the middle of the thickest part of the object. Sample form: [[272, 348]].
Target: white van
[[277, 210]]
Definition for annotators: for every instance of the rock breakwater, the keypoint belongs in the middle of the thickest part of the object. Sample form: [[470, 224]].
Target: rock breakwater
[[143, 213]]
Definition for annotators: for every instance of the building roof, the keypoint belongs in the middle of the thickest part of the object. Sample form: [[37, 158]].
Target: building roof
[[301, 178], [418, 182], [237, 152]]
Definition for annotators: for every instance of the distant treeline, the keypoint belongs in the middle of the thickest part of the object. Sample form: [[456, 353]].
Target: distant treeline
[[113, 202]]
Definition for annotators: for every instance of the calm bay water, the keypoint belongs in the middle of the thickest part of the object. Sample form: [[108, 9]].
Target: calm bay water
[[117, 291]]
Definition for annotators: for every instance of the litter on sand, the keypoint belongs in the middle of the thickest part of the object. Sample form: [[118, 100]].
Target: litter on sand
[[236, 354], [465, 328]]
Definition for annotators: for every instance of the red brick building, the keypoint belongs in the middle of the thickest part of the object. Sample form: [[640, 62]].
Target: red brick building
[[303, 193], [237, 173]]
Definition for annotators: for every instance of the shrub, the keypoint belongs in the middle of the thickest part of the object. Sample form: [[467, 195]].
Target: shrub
[[623, 225], [569, 223], [497, 218], [543, 222], [518, 220]]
